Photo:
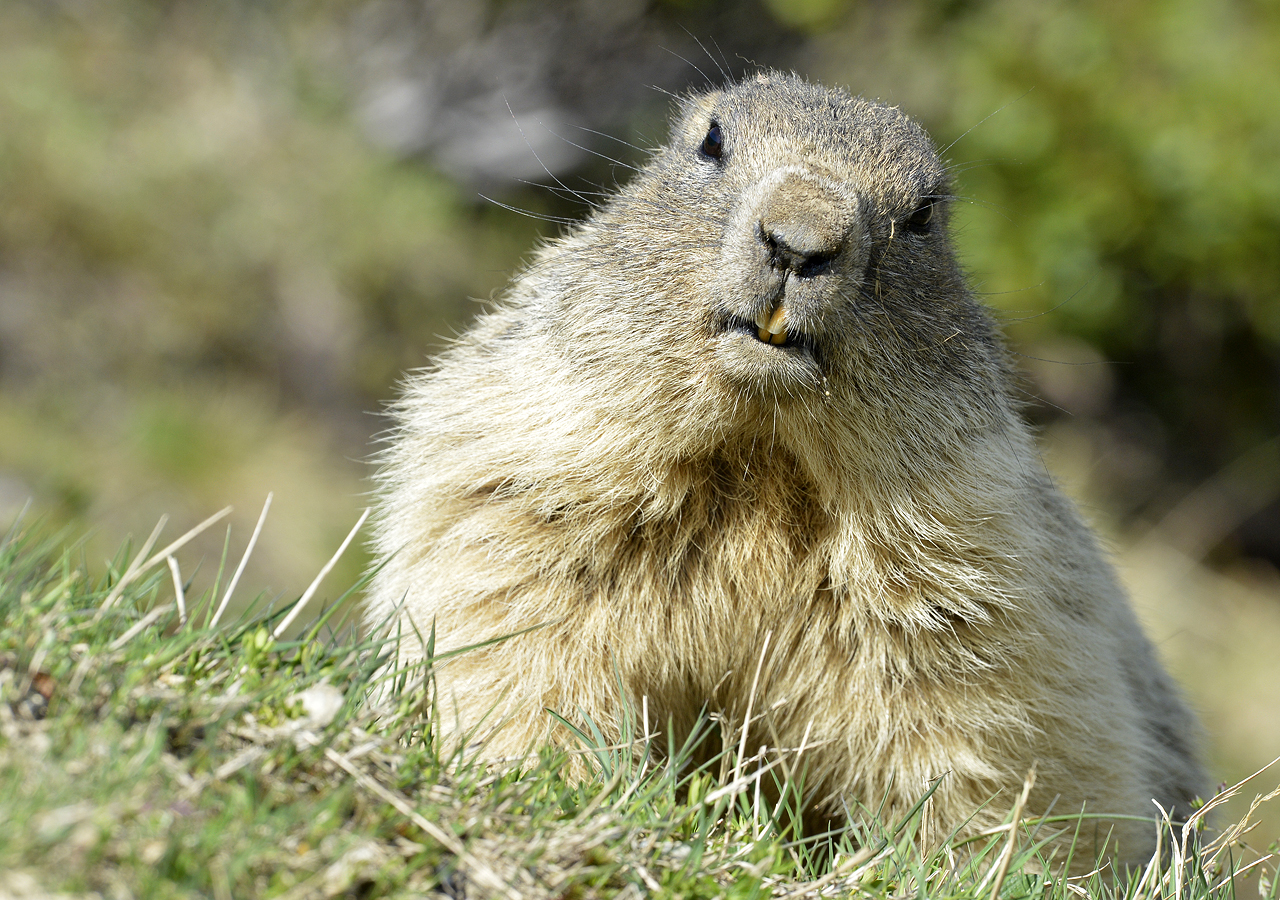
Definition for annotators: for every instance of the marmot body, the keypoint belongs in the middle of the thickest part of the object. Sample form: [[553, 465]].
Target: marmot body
[[751, 397]]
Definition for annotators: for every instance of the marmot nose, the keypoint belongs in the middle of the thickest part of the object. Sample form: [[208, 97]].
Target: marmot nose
[[798, 247]]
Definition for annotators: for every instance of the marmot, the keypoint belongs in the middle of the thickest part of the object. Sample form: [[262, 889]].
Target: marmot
[[751, 396]]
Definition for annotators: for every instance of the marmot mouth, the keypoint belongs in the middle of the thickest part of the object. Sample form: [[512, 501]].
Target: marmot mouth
[[771, 330], [772, 325]]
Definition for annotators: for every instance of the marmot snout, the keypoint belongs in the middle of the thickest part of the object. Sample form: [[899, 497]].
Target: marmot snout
[[750, 410]]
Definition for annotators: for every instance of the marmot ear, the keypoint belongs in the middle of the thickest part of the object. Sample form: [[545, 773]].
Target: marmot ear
[[713, 144], [920, 219]]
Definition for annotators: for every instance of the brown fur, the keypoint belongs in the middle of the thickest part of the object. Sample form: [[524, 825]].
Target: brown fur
[[613, 454]]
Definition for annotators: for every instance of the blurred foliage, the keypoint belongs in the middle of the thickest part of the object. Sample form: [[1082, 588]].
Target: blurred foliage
[[166, 195]]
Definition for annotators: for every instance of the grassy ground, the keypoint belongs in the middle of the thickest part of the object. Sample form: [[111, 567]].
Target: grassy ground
[[148, 751]]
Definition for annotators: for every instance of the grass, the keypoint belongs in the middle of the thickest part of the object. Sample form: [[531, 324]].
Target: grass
[[148, 749]]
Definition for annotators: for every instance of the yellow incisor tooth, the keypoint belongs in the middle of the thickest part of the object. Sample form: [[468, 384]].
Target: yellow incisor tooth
[[777, 322], [779, 338], [764, 335]]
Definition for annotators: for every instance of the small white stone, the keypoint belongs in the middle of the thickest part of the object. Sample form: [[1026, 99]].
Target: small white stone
[[320, 703]]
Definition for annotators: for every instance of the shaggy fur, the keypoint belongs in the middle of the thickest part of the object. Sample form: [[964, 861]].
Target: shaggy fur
[[618, 455]]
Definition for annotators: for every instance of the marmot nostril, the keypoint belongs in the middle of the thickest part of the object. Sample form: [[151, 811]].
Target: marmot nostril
[[798, 248]]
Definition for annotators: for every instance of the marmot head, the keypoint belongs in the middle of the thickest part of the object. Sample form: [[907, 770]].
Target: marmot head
[[787, 247]]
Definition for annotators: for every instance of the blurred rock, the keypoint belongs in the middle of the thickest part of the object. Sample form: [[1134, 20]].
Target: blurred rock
[[495, 93]]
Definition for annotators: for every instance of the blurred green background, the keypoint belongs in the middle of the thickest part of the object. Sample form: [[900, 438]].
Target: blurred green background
[[227, 228]]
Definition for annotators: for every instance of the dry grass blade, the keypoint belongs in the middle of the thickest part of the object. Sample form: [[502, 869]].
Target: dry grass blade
[[1236, 830], [478, 870], [612, 785], [15, 526], [315, 585], [142, 625], [742, 782], [1152, 871], [1006, 855], [135, 570], [849, 870], [746, 721], [190, 535], [248, 551], [131, 571], [177, 590]]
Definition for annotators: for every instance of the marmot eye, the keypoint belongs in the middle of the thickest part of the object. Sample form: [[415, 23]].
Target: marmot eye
[[713, 144], [919, 220]]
